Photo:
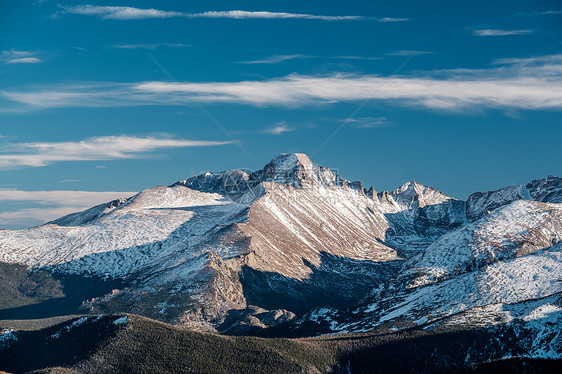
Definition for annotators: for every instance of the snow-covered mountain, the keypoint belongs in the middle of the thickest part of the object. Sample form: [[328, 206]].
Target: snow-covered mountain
[[297, 244]]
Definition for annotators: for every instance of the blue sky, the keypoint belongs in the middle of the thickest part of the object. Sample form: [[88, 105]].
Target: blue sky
[[104, 98]]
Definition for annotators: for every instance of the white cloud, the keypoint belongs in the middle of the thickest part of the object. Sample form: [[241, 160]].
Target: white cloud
[[549, 60], [409, 53], [241, 14], [275, 59], [38, 154], [68, 198], [278, 129], [119, 12], [358, 58], [150, 45], [496, 32], [12, 53], [26, 60], [367, 122], [532, 85], [18, 57], [51, 204], [130, 13], [33, 216], [391, 19]]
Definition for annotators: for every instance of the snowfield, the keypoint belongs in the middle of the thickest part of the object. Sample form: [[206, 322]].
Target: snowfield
[[120, 242]]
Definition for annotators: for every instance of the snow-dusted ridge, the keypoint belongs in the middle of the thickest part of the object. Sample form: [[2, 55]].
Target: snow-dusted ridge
[[548, 190], [296, 239]]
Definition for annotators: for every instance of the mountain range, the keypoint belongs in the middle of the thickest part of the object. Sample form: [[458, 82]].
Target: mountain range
[[296, 250]]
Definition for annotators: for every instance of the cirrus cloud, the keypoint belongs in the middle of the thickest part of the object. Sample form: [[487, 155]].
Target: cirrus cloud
[[131, 13], [26, 60], [150, 45], [278, 129], [69, 198], [19, 57], [531, 84], [39, 154], [276, 59], [497, 32]]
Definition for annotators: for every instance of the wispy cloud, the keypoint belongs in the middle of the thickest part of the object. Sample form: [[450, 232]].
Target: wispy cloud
[[38, 154], [119, 12], [535, 61], [498, 32], [367, 122], [18, 57], [72, 198], [533, 85], [50, 205], [151, 45], [275, 59], [130, 13], [278, 129], [409, 53], [23, 218], [392, 19], [26, 60], [543, 13], [366, 58], [241, 14]]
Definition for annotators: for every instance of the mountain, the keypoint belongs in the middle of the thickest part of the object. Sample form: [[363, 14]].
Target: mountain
[[294, 249]]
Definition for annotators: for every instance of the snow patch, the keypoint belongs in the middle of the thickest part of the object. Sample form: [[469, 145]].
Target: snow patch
[[7, 337], [542, 311], [121, 321], [74, 324]]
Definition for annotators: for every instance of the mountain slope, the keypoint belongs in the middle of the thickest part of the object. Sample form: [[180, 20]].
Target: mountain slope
[[294, 248]]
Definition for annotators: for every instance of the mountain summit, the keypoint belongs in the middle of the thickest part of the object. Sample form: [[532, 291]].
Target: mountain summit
[[294, 169], [295, 244]]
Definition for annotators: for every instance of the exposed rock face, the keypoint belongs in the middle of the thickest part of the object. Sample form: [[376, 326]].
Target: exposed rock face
[[423, 210], [241, 250], [548, 190], [480, 204]]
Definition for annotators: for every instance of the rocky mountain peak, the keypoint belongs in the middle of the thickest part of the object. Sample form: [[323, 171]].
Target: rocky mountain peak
[[410, 187], [295, 169], [289, 161], [298, 170], [413, 194]]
